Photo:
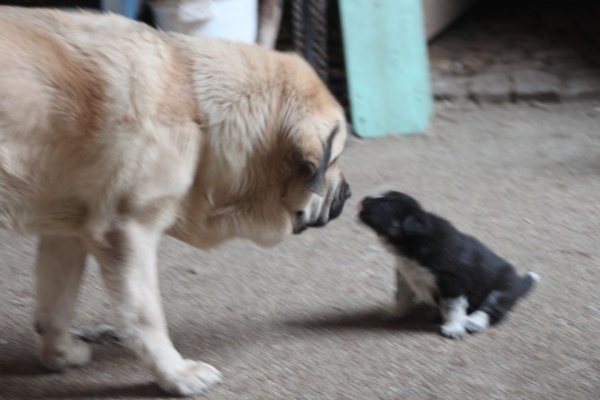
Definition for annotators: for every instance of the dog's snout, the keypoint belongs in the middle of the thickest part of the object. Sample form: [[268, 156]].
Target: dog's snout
[[338, 203], [367, 203], [367, 200], [347, 191]]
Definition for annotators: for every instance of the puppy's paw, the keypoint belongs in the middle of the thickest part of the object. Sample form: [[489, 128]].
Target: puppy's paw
[[193, 377], [477, 321], [74, 353], [454, 330]]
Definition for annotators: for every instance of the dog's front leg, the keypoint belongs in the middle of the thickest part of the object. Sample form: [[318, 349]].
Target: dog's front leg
[[454, 313], [127, 256], [60, 265], [404, 296]]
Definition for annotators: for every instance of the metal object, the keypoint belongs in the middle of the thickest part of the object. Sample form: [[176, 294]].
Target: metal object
[[309, 32]]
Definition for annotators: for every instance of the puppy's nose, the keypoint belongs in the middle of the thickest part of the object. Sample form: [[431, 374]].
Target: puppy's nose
[[359, 208], [366, 201]]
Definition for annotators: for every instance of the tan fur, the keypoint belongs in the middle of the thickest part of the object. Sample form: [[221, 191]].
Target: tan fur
[[112, 133]]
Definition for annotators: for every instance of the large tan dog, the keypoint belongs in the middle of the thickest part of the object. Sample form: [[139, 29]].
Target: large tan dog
[[112, 133]]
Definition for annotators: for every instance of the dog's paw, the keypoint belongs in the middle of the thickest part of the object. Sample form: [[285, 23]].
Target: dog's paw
[[75, 353], [477, 321], [192, 378], [454, 330], [97, 334]]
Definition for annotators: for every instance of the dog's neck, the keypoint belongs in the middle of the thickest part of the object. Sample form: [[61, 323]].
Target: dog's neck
[[231, 104]]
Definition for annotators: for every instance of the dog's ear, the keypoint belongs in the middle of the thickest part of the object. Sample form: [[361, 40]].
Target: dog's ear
[[313, 153], [395, 229], [414, 226], [315, 157], [316, 173]]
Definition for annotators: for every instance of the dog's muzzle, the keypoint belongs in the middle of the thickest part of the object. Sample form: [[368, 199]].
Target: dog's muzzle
[[321, 210], [337, 205]]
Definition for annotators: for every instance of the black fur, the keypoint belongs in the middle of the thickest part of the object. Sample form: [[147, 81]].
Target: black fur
[[460, 264]]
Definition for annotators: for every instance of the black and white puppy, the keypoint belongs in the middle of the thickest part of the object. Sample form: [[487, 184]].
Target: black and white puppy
[[440, 266]]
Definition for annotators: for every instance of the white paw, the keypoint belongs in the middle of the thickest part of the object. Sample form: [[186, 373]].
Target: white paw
[[74, 353], [192, 378], [454, 330], [477, 321]]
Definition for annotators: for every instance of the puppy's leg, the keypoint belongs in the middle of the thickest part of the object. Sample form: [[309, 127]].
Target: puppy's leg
[[493, 309], [477, 321], [127, 256], [500, 301], [403, 303], [454, 313], [60, 264], [404, 297]]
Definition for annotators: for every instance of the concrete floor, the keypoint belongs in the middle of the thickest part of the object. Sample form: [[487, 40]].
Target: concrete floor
[[301, 321], [514, 50]]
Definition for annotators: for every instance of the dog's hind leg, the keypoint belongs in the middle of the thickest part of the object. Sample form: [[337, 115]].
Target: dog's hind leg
[[477, 321], [493, 309], [60, 265], [127, 256], [498, 303]]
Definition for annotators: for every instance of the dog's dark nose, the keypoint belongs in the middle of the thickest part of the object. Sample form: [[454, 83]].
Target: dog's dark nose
[[338, 203], [347, 191]]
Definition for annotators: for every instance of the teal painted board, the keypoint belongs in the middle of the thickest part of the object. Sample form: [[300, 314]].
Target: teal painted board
[[128, 8], [386, 66]]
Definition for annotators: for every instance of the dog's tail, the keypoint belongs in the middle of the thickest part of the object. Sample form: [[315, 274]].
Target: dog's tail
[[527, 283]]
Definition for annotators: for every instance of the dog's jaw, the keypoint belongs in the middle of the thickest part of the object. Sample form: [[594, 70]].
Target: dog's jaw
[[320, 210]]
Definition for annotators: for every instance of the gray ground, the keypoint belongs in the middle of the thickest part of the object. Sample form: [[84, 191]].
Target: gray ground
[[302, 320]]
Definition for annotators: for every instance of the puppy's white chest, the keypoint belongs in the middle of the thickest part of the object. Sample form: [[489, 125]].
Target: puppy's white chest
[[420, 280]]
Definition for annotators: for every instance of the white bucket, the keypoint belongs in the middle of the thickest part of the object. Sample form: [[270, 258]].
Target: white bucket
[[227, 19]]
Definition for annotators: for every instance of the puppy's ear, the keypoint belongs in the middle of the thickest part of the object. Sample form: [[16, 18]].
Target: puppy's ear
[[395, 229], [414, 226]]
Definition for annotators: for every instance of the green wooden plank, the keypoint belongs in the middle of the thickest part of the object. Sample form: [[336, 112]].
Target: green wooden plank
[[387, 66]]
